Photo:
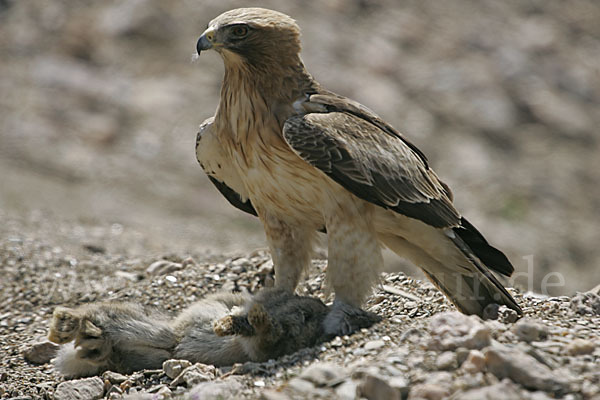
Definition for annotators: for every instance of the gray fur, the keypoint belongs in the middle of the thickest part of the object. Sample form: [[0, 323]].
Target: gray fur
[[221, 329]]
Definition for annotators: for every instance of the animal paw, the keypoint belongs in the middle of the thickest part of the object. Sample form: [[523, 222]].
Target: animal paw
[[233, 325], [64, 326], [224, 326], [344, 319]]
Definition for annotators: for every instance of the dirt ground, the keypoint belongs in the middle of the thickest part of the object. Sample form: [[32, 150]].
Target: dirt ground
[[100, 103]]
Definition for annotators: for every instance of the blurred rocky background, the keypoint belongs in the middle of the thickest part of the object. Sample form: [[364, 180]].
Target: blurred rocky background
[[100, 103]]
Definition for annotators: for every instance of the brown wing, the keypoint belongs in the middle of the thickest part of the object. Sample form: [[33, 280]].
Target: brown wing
[[372, 161]]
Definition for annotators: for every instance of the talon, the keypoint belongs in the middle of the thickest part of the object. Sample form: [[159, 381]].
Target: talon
[[344, 319]]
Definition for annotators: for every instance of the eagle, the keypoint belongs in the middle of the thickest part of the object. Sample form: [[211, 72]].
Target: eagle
[[305, 160]]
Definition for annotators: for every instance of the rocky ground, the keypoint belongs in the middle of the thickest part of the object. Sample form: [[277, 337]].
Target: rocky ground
[[98, 116], [422, 349]]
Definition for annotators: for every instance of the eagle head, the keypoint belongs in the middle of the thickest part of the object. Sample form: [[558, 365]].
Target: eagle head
[[252, 35]]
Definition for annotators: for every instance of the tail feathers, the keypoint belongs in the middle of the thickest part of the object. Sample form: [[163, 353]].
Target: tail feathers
[[489, 255], [472, 291]]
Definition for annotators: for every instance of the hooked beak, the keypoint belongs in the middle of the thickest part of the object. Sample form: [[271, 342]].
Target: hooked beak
[[205, 42]]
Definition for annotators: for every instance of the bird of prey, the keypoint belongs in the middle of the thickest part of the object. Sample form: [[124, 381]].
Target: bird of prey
[[304, 159]]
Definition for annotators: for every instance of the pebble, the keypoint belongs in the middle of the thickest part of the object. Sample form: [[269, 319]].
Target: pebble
[[163, 267], [587, 303], [580, 347], [373, 387], [401, 384], [114, 377], [474, 363], [461, 355], [446, 361], [324, 374], [451, 330], [529, 330], [114, 390], [300, 385], [80, 389], [428, 391], [224, 389], [507, 315], [270, 394], [41, 352], [507, 362], [195, 374], [505, 390], [374, 344], [399, 292], [347, 390], [173, 368]]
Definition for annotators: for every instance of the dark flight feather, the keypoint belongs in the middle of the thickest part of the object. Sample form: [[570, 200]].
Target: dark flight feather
[[233, 197], [489, 255]]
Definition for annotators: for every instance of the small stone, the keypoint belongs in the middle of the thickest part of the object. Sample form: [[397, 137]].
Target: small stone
[[507, 315], [450, 330], [130, 276], [114, 390], [160, 389], [374, 344], [401, 384], [188, 263], [114, 377], [461, 355], [41, 352], [529, 330], [163, 267], [505, 390], [579, 347], [507, 362], [348, 390], [173, 368], [429, 391], [194, 375], [271, 394], [228, 388], [586, 303], [491, 311], [399, 292], [442, 378], [446, 361], [373, 387], [84, 389], [300, 385], [324, 374], [474, 363]]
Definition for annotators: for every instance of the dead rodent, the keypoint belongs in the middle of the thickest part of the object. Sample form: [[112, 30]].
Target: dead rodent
[[222, 329]]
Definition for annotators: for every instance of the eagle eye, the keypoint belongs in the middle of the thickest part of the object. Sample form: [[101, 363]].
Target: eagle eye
[[240, 31]]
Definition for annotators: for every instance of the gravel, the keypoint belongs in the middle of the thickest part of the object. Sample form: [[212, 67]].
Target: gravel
[[422, 348], [102, 198]]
